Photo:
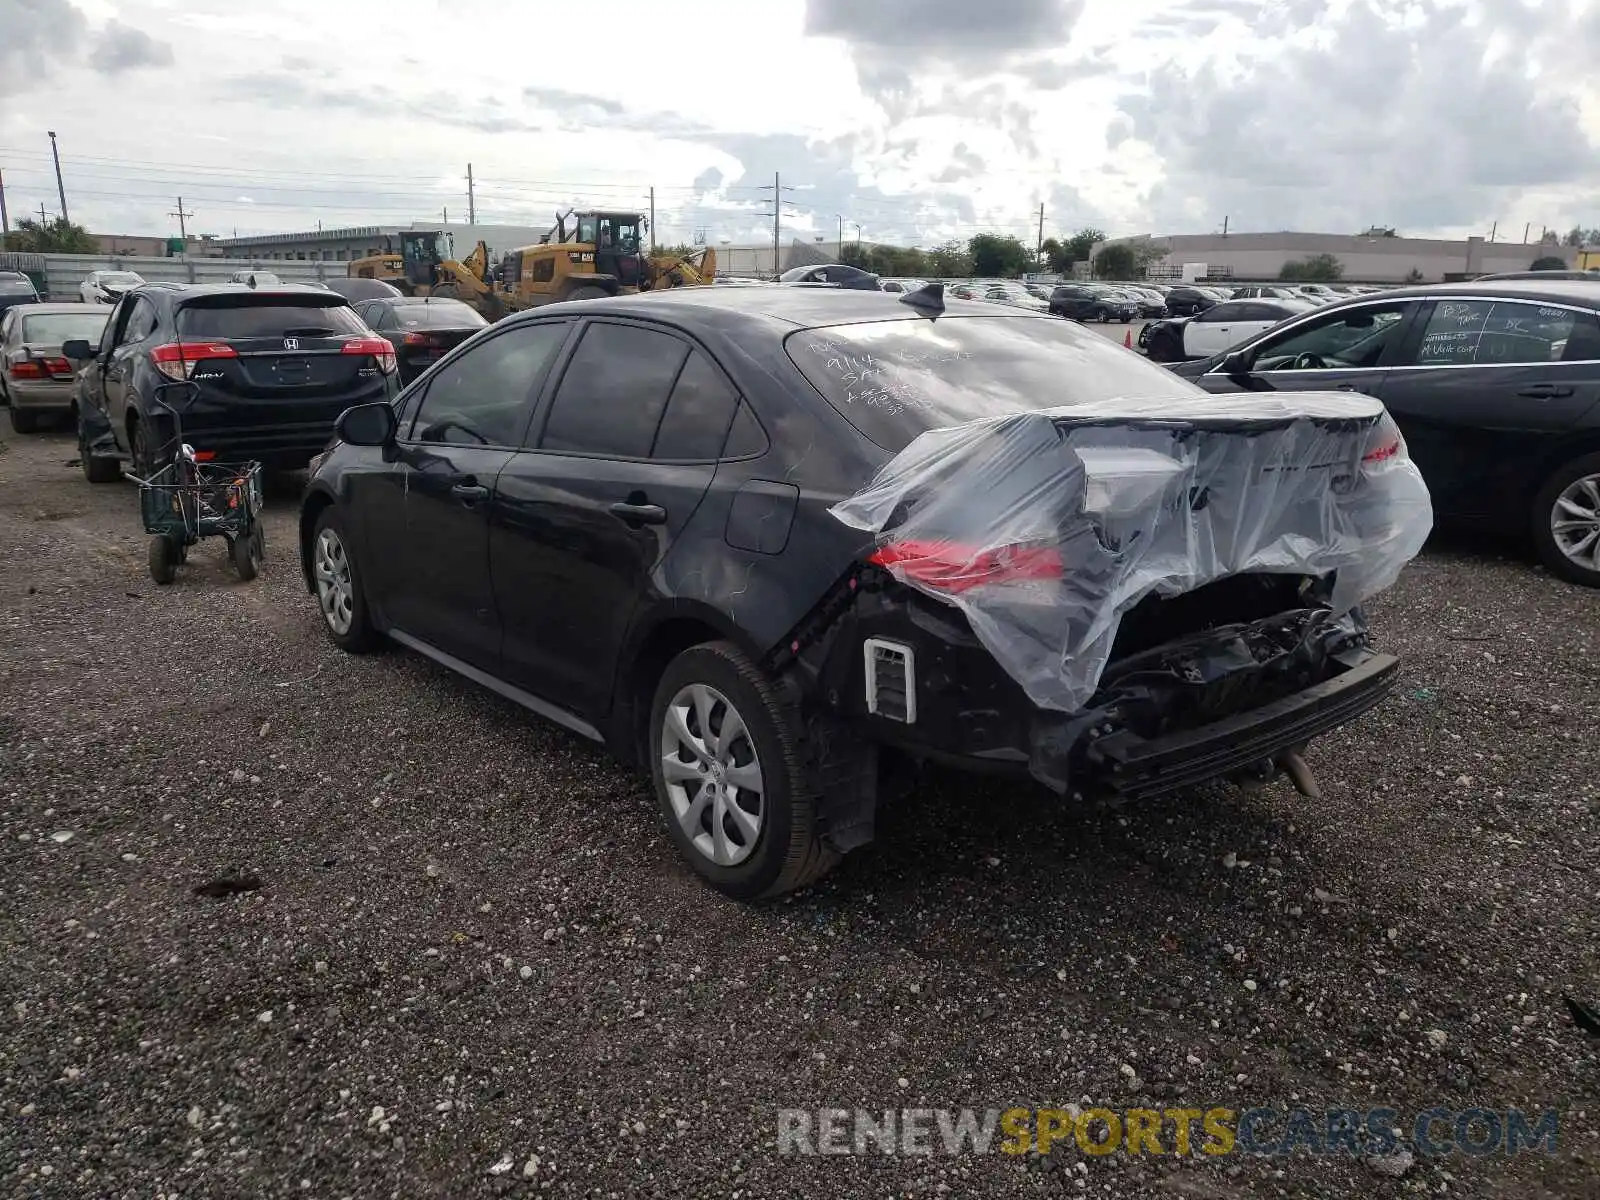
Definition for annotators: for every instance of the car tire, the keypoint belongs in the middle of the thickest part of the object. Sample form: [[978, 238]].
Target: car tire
[[1573, 553], [701, 690], [142, 453], [23, 421], [336, 582], [95, 469], [247, 553], [1102, 316]]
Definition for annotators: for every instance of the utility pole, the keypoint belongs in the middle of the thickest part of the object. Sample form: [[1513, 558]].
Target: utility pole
[[777, 218], [1493, 229], [857, 224], [472, 200], [1038, 252], [1224, 226], [5, 221], [841, 235], [652, 220], [61, 189], [43, 220], [183, 228], [444, 213], [1525, 229]]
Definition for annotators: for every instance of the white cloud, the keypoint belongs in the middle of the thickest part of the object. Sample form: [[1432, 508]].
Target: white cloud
[[1430, 114]]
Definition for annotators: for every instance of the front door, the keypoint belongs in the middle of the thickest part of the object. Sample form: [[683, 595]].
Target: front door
[[1346, 350], [470, 421], [1484, 391], [584, 520]]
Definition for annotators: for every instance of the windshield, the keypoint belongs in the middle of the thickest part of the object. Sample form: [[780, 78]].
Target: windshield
[[55, 328], [438, 314], [125, 278], [266, 320], [893, 380]]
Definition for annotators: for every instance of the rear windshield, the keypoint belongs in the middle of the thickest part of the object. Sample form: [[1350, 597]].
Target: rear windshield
[[55, 328], [438, 314], [893, 380], [15, 287], [266, 320]]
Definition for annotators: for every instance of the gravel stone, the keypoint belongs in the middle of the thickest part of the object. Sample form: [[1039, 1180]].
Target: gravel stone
[[1019, 947]]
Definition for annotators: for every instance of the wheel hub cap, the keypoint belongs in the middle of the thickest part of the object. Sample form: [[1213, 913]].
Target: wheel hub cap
[[713, 776], [335, 593], [1575, 522]]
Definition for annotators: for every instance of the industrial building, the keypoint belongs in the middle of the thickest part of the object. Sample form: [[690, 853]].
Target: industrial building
[[1366, 258]]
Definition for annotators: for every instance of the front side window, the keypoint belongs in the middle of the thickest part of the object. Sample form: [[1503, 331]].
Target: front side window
[[1494, 333], [614, 391], [1350, 338], [482, 398]]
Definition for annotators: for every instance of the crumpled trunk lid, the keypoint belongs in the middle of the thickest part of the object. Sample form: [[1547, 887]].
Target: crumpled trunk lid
[[1046, 528]]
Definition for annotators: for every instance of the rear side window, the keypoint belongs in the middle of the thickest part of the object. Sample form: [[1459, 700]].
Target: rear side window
[[614, 391], [695, 424], [1494, 333], [893, 380], [483, 397], [260, 320]]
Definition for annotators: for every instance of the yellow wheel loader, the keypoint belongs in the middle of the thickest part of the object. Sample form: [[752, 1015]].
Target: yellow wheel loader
[[595, 254]]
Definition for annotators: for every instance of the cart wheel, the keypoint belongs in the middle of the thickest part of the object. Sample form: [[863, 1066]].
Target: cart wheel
[[164, 560], [246, 553], [180, 552]]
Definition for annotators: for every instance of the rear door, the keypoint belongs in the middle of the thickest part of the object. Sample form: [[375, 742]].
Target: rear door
[[1485, 391], [275, 359], [617, 465], [427, 520], [1213, 330]]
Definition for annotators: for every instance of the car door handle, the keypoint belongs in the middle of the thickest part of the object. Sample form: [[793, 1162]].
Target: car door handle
[[640, 514], [469, 493], [1350, 387], [1545, 391]]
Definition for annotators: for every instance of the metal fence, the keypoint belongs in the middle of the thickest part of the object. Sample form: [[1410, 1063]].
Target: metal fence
[[62, 273]]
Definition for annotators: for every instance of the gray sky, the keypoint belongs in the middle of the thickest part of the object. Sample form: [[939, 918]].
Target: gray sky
[[921, 120]]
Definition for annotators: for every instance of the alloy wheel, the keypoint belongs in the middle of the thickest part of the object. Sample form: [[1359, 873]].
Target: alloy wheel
[[712, 774], [330, 566], [1575, 522]]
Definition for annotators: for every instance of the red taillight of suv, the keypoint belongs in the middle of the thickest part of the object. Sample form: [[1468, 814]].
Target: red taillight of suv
[[176, 360], [955, 567], [380, 349]]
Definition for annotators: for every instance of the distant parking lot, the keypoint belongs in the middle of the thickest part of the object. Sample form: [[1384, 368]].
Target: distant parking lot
[[463, 959]]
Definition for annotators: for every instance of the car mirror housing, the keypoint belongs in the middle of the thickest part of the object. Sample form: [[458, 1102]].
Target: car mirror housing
[[1235, 362], [79, 350], [368, 425]]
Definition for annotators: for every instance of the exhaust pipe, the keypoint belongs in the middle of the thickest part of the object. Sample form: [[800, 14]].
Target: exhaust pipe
[[1299, 772]]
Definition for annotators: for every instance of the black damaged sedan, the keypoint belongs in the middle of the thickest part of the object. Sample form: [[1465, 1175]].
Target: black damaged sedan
[[769, 543]]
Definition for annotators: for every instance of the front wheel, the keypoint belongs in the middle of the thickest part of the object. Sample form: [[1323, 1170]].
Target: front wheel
[[1566, 521], [726, 759], [338, 586]]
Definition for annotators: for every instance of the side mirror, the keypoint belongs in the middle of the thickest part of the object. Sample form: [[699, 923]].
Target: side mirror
[[1235, 362], [368, 425], [79, 350]]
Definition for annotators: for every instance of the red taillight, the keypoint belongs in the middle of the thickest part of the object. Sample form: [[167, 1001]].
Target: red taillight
[[204, 455], [1384, 442], [1388, 450], [954, 567], [27, 369], [58, 366], [176, 360], [379, 348]]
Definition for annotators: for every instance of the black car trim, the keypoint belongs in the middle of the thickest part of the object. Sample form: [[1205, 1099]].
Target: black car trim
[[1141, 767], [528, 700]]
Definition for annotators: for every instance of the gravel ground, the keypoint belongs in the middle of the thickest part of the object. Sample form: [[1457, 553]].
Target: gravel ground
[[472, 946]]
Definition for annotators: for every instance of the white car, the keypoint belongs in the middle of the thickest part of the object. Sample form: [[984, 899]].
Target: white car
[[1218, 329], [106, 287], [1015, 294]]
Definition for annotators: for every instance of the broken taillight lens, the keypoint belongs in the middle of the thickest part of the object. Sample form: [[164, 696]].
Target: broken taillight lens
[[1384, 442], [957, 567]]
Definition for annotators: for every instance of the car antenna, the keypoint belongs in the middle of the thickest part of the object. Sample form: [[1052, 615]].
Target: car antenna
[[929, 298]]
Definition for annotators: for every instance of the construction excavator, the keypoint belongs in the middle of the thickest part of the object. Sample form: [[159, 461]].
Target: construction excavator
[[584, 255]]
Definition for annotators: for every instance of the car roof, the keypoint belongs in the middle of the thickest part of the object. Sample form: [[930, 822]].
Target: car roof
[[1571, 291], [792, 306]]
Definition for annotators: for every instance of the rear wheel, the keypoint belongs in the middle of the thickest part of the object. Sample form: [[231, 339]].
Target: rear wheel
[[143, 453], [24, 421], [1102, 315], [730, 780], [1566, 521], [95, 468]]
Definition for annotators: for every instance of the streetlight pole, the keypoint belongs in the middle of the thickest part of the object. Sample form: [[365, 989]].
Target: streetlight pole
[[841, 235], [60, 187]]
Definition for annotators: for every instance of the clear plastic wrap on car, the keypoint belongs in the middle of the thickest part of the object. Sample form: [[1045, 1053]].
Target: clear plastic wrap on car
[[1045, 527]]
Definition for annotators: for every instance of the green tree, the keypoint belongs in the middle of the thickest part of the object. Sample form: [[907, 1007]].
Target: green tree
[[1119, 260], [994, 255], [1549, 263], [854, 254], [1080, 245], [1576, 236], [1319, 268], [59, 236], [1056, 257], [949, 261], [1414, 275]]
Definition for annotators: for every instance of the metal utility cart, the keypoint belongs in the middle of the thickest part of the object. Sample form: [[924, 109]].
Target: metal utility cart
[[189, 499]]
